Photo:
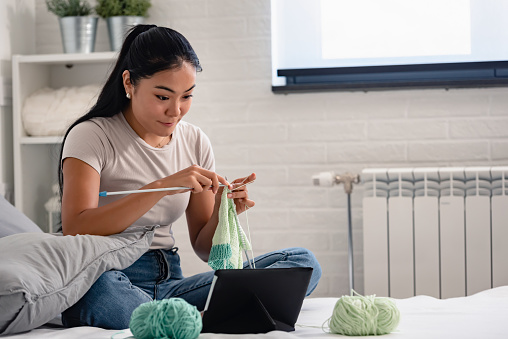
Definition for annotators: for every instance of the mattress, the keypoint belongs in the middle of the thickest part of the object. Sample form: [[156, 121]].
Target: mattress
[[483, 315]]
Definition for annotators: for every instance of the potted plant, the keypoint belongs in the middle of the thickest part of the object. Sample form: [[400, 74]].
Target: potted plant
[[120, 15], [77, 27]]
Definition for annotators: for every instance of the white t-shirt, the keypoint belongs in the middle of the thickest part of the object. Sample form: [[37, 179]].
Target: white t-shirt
[[125, 161]]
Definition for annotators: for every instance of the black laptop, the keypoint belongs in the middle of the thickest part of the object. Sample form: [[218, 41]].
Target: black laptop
[[255, 300]]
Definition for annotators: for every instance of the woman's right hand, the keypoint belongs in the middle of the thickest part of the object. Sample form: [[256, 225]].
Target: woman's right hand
[[196, 178]]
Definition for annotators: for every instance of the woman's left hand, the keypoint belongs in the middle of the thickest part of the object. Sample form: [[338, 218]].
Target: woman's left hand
[[241, 195]]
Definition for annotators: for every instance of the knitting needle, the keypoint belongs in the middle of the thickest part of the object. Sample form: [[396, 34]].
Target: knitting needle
[[106, 193], [250, 182]]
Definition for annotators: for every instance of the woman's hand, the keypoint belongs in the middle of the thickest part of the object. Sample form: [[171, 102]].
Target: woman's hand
[[203, 212], [196, 178], [241, 195]]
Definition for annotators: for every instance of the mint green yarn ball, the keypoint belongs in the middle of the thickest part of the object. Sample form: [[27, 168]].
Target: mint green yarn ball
[[364, 315], [171, 318]]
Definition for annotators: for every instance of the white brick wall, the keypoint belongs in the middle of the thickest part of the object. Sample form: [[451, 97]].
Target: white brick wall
[[287, 138]]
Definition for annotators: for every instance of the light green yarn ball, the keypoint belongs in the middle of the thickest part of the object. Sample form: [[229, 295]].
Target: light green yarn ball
[[364, 315], [168, 318]]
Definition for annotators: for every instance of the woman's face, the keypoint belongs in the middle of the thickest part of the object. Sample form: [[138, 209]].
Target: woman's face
[[158, 103]]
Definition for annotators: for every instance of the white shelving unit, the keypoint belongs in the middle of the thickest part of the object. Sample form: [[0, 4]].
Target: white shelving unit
[[35, 157]]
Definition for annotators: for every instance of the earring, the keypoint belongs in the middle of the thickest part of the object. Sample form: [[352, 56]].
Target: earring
[[128, 95]]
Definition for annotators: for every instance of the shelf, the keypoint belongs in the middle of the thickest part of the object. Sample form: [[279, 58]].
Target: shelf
[[54, 59], [36, 158]]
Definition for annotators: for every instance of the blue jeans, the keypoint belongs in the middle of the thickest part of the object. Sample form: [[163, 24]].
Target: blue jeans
[[157, 275]]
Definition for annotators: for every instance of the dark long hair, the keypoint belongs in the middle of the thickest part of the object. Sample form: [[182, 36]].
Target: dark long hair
[[147, 49]]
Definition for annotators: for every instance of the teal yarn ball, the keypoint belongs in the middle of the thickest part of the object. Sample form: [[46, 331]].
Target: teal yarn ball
[[171, 318], [364, 315]]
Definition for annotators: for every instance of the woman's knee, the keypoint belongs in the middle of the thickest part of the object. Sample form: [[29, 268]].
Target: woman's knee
[[316, 272], [109, 303], [306, 258]]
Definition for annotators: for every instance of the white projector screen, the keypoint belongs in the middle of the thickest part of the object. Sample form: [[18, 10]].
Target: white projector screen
[[321, 34]]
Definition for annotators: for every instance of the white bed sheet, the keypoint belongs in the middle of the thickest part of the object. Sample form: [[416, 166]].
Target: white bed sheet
[[483, 315]]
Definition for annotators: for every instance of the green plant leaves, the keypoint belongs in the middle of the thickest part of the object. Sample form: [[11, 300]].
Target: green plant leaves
[[63, 8], [108, 8]]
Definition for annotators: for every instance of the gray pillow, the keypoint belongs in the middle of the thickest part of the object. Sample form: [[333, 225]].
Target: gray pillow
[[42, 274], [13, 221]]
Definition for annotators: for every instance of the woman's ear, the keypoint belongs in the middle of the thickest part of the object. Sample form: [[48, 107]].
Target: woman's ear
[[126, 80]]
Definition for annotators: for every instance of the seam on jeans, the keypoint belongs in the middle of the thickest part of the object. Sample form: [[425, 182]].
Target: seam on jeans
[[132, 286], [163, 268], [190, 290], [141, 290], [169, 276], [284, 257], [283, 254]]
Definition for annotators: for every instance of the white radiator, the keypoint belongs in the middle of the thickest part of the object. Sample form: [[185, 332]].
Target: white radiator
[[441, 232]]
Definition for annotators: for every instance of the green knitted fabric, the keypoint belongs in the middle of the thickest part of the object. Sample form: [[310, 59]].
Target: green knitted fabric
[[229, 239]]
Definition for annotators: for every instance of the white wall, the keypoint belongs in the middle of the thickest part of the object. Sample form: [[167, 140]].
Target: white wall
[[287, 138], [17, 28]]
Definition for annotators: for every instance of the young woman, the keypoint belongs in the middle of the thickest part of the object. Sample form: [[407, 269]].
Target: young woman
[[134, 138]]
